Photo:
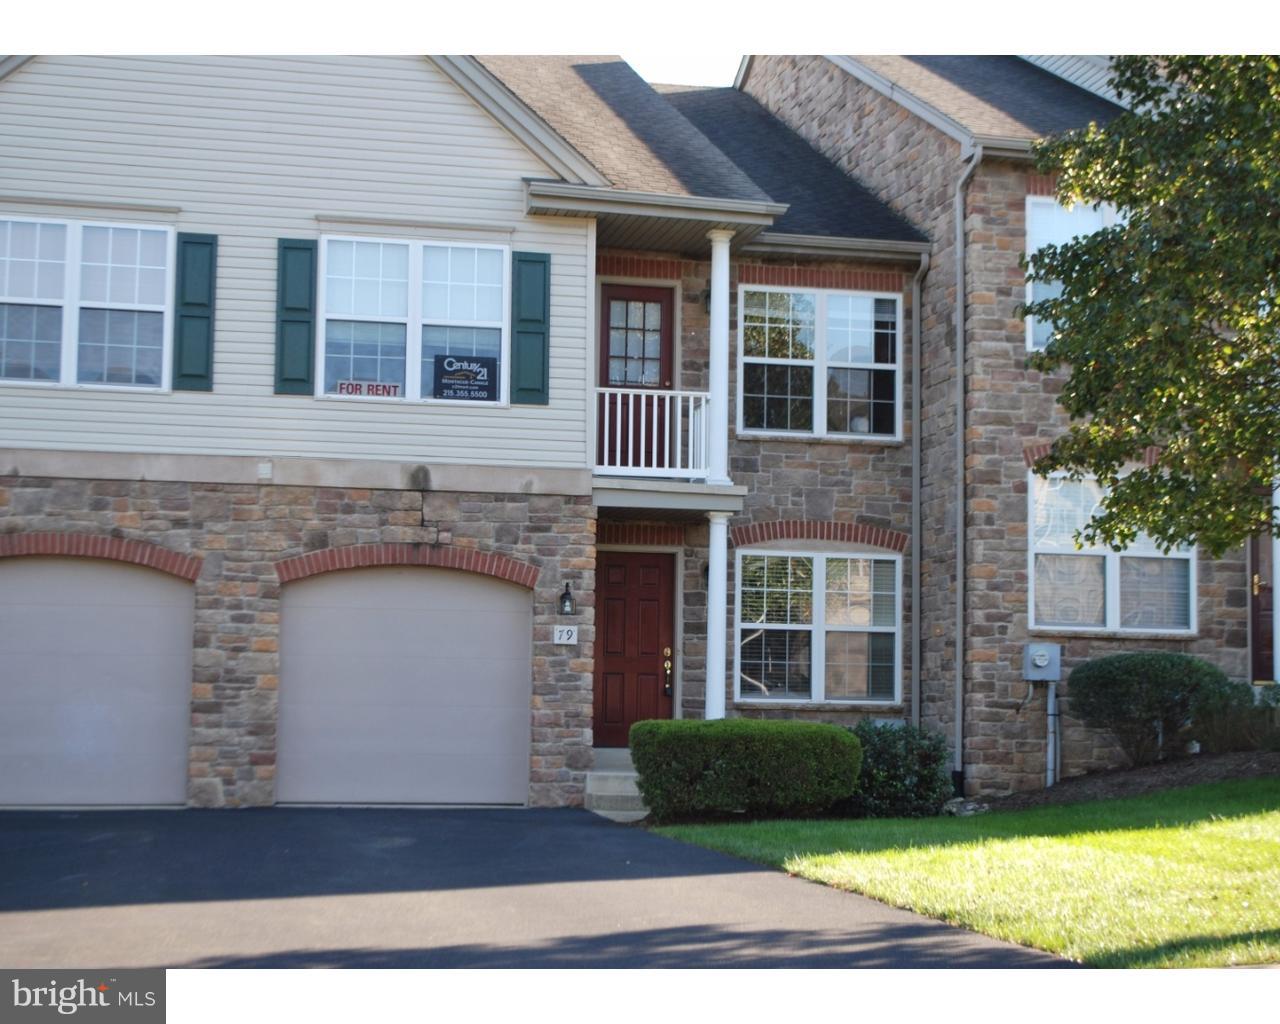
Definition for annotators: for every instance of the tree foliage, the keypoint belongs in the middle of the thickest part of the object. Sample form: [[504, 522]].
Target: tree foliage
[[1169, 322]]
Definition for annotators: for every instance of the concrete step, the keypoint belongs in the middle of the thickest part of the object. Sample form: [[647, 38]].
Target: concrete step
[[595, 802], [612, 783], [615, 795], [623, 817], [613, 759]]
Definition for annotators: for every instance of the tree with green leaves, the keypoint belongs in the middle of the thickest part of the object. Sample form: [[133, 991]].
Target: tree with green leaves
[[1169, 321]]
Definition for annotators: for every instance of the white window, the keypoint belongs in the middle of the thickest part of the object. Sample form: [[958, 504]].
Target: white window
[[1051, 223], [414, 320], [85, 303], [818, 627], [819, 363], [1135, 590]]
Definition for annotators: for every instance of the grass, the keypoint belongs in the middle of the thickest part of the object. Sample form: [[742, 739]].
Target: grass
[[1183, 878]]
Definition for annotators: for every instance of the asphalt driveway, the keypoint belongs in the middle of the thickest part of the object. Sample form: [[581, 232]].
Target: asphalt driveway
[[428, 888]]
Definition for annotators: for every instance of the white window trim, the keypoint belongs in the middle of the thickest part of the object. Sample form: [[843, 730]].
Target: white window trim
[[817, 628], [1111, 580], [71, 305], [1110, 218], [819, 364], [414, 323]]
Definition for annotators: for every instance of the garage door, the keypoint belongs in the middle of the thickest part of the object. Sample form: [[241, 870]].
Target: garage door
[[95, 683], [404, 685]]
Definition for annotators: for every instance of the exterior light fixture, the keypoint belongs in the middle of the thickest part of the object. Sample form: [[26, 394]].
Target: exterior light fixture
[[568, 606]]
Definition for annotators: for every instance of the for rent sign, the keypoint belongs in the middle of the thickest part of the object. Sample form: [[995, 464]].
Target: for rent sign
[[368, 389]]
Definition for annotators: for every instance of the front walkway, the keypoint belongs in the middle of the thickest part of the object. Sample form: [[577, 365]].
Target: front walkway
[[427, 888]]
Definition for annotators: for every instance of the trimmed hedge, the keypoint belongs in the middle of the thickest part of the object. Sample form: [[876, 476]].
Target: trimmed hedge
[[766, 769], [1145, 700], [905, 773], [1229, 717]]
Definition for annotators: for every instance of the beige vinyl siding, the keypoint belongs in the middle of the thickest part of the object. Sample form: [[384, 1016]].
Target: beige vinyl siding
[[253, 149]]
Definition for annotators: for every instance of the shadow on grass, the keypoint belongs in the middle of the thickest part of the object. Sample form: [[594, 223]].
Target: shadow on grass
[[1167, 810], [1162, 954]]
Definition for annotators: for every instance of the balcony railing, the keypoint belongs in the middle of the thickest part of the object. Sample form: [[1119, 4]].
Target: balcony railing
[[651, 433]]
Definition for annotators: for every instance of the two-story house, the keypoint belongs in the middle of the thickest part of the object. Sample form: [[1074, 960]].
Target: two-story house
[[946, 142], [400, 429]]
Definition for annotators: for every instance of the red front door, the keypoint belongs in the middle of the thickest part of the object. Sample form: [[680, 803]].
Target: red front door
[[635, 636], [1260, 608], [636, 357]]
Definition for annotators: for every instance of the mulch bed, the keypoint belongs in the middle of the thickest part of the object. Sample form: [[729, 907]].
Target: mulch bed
[[1185, 771]]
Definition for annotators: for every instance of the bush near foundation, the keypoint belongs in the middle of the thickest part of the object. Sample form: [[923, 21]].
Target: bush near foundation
[[1146, 700], [1230, 718], [905, 773], [764, 769]]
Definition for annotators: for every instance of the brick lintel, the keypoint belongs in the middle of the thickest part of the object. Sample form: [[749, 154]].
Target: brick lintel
[[809, 529], [364, 556], [106, 548]]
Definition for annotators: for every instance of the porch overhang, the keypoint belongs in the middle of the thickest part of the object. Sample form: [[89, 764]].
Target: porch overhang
[[781, 243], [672, 500], [650, 220]]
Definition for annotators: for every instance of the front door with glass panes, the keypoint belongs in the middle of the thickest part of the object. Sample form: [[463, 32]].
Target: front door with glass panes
[[635, 358]]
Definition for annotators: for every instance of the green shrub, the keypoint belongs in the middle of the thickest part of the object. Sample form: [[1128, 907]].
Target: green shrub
[[1228, 718], [1145, 700], [767, 769], [905, 773]]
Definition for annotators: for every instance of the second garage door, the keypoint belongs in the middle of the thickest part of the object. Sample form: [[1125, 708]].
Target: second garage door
[[404, 685]]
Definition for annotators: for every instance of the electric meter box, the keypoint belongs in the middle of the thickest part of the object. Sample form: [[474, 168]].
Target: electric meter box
[[1042, 662]]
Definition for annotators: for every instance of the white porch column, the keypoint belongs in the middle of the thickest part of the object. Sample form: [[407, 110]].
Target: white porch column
[[718, 468], [717, 612]]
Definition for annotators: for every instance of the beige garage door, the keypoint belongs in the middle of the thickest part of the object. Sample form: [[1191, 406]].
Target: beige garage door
[[95, 683], [404, 685]]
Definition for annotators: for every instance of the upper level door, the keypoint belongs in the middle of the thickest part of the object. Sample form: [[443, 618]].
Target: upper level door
[[636, 356], [636, 349]]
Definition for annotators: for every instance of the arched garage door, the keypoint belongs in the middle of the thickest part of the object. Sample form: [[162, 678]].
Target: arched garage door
[[404, 685], [95, 683]]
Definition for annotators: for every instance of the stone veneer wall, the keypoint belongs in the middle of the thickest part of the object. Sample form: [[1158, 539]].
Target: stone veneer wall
[[1012, 415], [913, 168], [243, 531], [867, 483]]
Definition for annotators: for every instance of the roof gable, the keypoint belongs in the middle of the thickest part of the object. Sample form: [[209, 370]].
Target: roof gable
[[629, 133], [981, 98]]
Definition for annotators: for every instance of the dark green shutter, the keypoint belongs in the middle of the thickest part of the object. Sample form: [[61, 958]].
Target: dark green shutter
[[193, 312], [295, 316], [530, 328]]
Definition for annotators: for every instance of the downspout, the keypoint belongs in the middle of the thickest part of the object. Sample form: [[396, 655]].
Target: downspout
[[962, 184], [917, 315]]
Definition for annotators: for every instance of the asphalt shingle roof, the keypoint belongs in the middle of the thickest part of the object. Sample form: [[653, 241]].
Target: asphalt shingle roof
[[823, 200], [628, 132], [998, 96]]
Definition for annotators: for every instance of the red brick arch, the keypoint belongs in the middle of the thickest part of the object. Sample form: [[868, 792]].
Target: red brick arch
[[364, 556], [810, 529], [111, 549], [1032, 452]]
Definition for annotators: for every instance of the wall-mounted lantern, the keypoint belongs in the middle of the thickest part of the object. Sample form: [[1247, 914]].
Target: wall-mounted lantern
[[568, 606]]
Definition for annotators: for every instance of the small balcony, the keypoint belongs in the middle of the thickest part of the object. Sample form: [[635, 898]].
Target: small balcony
[[652, 433]]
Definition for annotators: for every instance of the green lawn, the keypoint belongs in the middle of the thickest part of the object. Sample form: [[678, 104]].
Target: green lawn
[[1183, 878]]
